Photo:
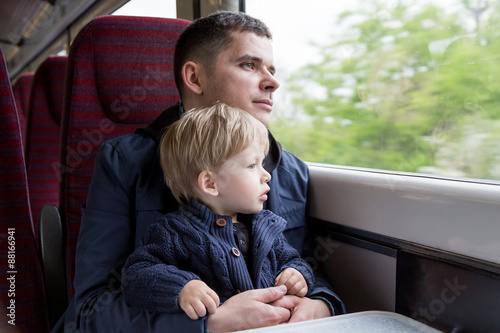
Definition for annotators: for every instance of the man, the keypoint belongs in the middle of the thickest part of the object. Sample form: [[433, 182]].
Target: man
[[224, 57]]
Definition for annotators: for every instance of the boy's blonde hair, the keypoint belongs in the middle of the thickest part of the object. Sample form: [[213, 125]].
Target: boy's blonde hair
[[203, 139]]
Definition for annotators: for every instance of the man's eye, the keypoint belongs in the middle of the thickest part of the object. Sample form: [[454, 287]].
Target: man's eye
[[248, 65]]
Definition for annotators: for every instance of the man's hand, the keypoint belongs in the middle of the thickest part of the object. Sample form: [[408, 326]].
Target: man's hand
[[294, 282], [248, 310], [303, 308], [196, 298]]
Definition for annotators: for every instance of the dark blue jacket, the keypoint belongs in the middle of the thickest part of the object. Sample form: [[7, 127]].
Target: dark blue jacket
[[126, 195], [193, 244]]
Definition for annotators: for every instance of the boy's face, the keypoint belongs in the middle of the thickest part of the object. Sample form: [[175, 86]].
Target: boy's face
[[242, 182], [243, 76]]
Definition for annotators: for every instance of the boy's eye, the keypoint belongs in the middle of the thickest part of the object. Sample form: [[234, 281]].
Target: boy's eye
[[251, 166]]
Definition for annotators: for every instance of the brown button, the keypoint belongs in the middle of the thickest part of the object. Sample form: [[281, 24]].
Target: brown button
[[221, 222], [236, 252]]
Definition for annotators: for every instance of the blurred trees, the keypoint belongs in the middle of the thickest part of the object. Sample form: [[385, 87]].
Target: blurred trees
[[408, 87]]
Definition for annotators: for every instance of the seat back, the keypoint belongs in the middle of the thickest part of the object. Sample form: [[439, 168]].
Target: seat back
[[22, 294], [43, 135], [119, 77], [21, 90]]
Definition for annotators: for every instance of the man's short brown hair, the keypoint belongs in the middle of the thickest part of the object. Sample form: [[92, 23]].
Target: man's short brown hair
[[205, 38]]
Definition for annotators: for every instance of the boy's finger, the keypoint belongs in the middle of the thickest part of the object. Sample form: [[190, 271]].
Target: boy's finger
[[211, 304], [200, 309], [299, 289], [302, 292], [293, 280], [284, 276], [277, 280], [191, 312]]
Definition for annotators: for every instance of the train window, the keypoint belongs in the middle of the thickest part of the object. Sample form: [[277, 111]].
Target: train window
[[396, 85], [152, 8]]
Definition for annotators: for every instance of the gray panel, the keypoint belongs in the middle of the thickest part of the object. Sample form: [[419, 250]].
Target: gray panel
[[363, 279], [455, 215]]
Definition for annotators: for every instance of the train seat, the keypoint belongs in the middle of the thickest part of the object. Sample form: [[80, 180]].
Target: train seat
[[21, 90], [22, 294], [119, 77], [43, 135]]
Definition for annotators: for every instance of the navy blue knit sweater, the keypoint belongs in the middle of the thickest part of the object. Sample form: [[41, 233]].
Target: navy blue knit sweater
[[194, 243]]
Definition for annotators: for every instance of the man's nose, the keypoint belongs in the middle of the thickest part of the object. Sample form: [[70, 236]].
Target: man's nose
[[269, 82]]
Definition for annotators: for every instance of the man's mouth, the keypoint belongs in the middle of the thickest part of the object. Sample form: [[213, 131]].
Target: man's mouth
[[265, 103]]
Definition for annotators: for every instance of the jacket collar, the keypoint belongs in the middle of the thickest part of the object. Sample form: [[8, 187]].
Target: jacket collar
[[156, 129], [273, 158]]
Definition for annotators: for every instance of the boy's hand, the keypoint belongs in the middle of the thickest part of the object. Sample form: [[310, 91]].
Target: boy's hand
[[294, 282], [196, 298]]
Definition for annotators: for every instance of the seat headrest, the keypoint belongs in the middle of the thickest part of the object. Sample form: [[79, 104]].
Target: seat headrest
[[131, 61], [50, 78]]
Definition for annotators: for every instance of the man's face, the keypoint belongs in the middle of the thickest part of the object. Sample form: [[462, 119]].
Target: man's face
[[243, 76]]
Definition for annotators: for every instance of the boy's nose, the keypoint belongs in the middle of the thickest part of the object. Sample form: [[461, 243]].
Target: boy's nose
[[267, 176]]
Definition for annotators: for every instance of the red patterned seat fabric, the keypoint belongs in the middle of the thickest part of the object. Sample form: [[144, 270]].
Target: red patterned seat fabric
[[43, 135], [120, 77], [22, 293], [21, 90]]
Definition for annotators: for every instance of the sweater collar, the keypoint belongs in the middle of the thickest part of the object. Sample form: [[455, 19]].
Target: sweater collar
[[204, 217]]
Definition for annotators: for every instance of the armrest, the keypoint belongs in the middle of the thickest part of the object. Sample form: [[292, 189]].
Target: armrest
[[53, 262]]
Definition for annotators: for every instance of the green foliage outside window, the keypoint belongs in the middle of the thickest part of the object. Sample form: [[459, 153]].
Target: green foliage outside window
[[409, 88]]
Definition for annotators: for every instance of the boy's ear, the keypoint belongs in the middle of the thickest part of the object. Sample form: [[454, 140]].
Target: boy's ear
[[206, 183], [192, 75]]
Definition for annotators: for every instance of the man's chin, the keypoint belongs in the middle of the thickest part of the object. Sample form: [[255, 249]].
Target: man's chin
[[265, 119]]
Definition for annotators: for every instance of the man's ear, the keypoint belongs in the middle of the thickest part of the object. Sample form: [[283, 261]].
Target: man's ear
[[206, 183], [192, 73]]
